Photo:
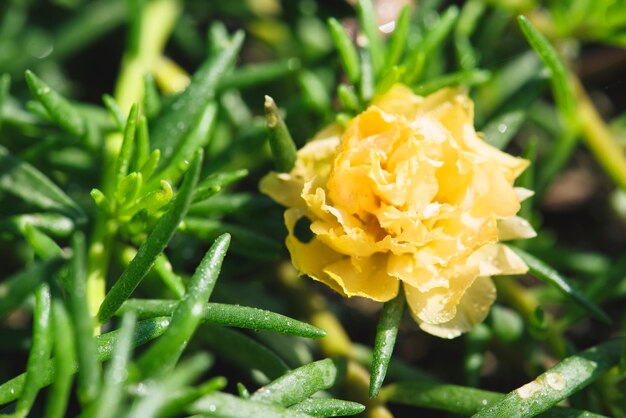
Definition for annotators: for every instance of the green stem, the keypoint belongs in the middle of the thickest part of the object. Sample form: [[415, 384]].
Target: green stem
[[599, 138], [156, 23]]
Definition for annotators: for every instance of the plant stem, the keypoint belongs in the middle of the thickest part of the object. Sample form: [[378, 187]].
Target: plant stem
[[156, 22], [598, 137]]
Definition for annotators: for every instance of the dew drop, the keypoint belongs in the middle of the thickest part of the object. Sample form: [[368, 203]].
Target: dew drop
[[388, 27], [502, 128], [555, 381]]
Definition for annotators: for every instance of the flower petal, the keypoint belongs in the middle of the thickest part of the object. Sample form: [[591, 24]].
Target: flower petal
[[471, 310], [310, 258], [409, 192], [364, 276], [514, 228], [439, 304], [497, 259]]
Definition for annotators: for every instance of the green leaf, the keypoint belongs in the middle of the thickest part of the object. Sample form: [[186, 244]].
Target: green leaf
[[128, 189], [225, 405], [173, 281], [236, 109], [147, 167], [348, 54], [348, 98], [39, 353], [460, 400], [116, 375], [230, 203], [472, 10], [49, 223], [504, 83], [90, 370], [59, 108], [216, 182], [558, 383], [150, 203], [181, 399], [5, 85], [456, 399], [503, 127], [245, 241], [160, 392], [326, 407], [386, 333], [88, 25], [281, 143], [102, 202], [17, 287], [561, 84], [432, 41], [314, 91], [248, 355], [151, 98], [64, 359], [142, 147], [552, 277], [122, 161], [227, 315], [182, 114], [295, 352], [105, 343], [369, 26], [161, 357], [466, 78], [302, 382], [114, 110], [398, 39], [152, 247], [242, 391], [43, 246], [197, 138], [258, 74], [25, 181], [368, 80]]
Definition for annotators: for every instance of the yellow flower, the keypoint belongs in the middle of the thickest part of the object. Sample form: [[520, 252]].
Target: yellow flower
[[409, 193]]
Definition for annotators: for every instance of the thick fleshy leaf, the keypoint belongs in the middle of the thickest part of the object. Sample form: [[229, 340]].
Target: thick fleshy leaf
[[144, 331], [227, 315], [152, 247], [162, 356], [25, 181], [301, 383], [556, 384]]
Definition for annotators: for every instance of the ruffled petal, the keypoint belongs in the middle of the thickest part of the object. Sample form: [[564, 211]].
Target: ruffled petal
[[496, 260], [313, 164], [283, 188], [312, 257], [439, 304], [409, 192], [366, 277], [514, 228], [471, 310]]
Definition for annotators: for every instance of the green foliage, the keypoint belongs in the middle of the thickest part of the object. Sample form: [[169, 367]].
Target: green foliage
[[118, 205]]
